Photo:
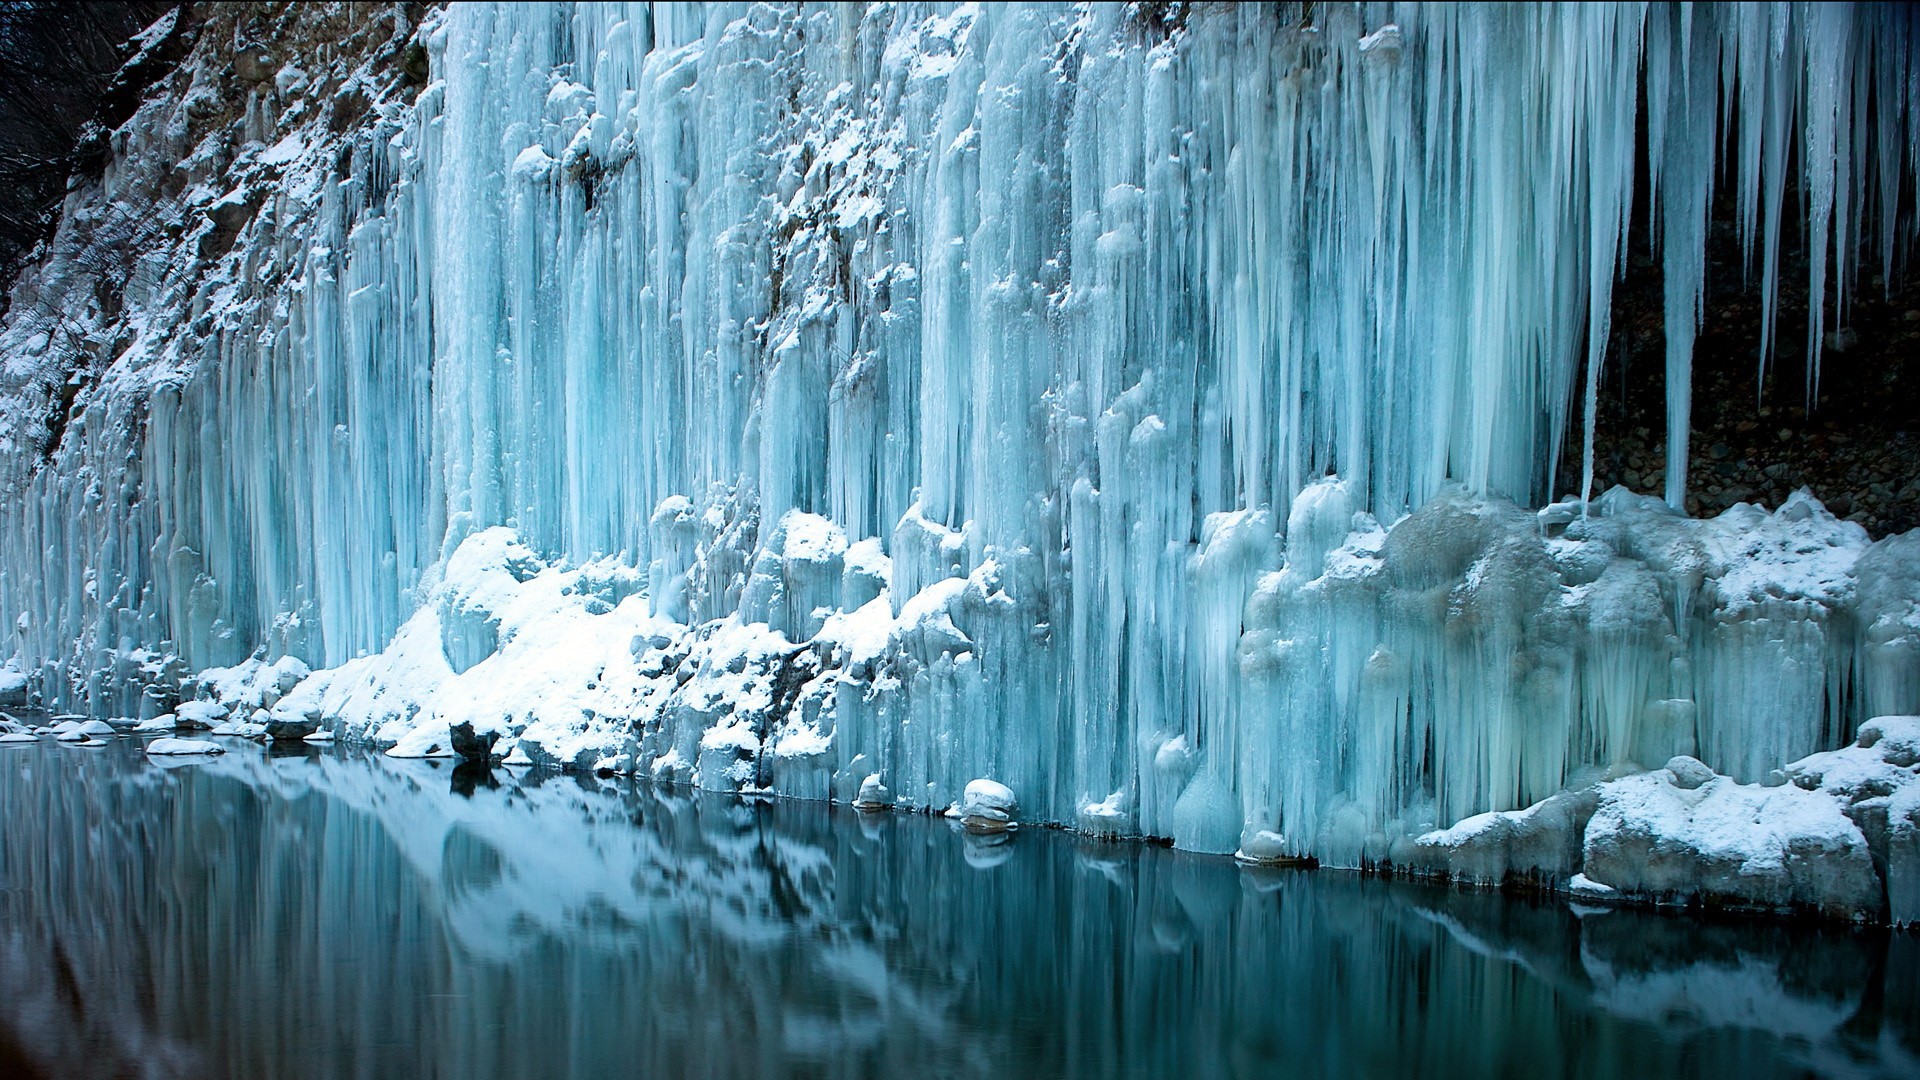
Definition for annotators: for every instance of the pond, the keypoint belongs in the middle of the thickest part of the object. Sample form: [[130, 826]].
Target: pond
[[333, 913]]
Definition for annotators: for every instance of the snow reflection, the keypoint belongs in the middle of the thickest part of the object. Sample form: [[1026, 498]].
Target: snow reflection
[[331, 914]]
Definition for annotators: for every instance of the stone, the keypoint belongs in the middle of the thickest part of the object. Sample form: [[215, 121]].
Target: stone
[[988, 806], [253, 64], [1688, 772], [469, 744], [284, 728], [1539, 843], [874, 795], [1730, 844]]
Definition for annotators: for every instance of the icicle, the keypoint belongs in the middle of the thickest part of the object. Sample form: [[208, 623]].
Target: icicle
[[1687, 109]]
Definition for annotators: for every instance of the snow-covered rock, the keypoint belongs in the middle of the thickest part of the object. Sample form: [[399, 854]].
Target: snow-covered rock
[[873, 794], [183, 747], [13, 685], [1661, 836], [1837, 831], [1264, 847], [255, 683], [1540, 843], [19, 737], [1109, 817], [987, 806], [1876, 781], [199, 714]]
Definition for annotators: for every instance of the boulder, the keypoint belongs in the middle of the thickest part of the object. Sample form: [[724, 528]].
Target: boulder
[[470, 744], [1725, 843], [253, 64], [873, 794], [1540, 843], [199, 715], [988, 806], [291, 727]]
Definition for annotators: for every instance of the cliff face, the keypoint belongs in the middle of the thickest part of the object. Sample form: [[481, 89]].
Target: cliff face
[[163, 372], [1145, 407]]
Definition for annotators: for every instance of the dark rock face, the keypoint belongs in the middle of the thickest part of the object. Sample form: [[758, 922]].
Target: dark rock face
[[291, 729], [469, 744], [63, 87], [1760, 433]]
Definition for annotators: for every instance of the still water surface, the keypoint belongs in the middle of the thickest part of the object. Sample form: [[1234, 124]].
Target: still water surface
[[337, 914]]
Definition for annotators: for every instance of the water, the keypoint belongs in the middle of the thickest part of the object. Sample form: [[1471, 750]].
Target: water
[[342, 914]]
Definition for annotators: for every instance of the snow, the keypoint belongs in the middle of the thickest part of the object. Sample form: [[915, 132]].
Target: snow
[[183, 747], [1264, 846], [19, 737], [1108, 817]]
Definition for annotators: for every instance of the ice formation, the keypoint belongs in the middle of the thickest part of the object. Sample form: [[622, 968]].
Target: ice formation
[[849, 402]]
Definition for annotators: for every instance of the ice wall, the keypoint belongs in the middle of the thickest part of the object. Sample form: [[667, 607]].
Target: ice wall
[[1035, 322]]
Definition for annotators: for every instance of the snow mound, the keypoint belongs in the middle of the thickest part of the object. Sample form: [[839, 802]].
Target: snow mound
[[183, 747]]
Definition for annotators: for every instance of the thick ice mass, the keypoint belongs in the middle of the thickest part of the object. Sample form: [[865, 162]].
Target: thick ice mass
[[849, 403]]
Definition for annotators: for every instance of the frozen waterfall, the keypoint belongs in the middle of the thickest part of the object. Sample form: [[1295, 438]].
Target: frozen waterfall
[[1156, 414]]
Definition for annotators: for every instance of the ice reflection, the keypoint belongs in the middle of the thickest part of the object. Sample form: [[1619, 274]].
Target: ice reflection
[[345, 915]]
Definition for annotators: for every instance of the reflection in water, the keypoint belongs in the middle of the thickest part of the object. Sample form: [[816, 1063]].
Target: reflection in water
[[351, 915]]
